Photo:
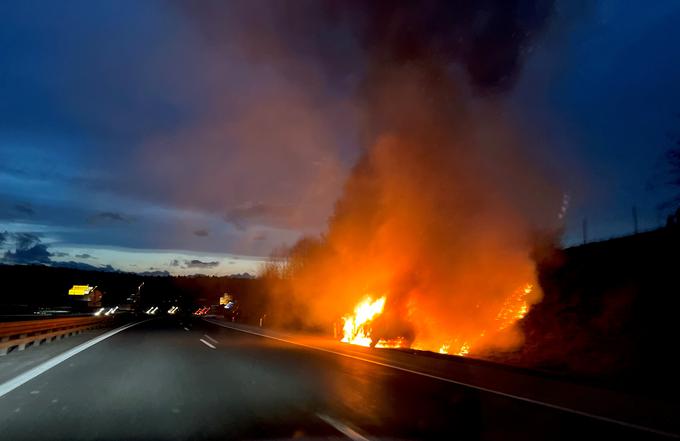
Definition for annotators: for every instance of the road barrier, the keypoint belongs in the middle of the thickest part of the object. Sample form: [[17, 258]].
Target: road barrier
[[22, 334]]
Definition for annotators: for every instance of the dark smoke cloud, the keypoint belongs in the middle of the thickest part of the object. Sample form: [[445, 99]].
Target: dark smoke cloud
[[487, 37]]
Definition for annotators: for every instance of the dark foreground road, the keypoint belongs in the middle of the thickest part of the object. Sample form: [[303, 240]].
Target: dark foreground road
[[163, 379]]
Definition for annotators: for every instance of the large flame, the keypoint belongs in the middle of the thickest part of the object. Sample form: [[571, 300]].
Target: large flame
[[357, 325]]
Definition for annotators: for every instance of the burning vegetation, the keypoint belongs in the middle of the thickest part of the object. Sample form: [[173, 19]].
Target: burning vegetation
[[430, 245], [357, 326]]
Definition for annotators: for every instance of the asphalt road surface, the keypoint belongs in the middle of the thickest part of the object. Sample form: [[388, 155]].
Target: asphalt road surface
[[168, 379]]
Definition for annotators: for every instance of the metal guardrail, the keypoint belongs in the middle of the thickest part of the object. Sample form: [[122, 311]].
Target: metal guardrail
[[21, 334]]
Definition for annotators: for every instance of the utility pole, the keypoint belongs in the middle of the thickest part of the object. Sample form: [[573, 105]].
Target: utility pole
[[138, 297], [635, 220]]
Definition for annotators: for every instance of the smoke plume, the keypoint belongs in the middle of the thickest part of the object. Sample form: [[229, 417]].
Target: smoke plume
[[442, 208]]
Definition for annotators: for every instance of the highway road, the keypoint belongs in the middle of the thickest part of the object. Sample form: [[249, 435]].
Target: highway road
[[172, 379]]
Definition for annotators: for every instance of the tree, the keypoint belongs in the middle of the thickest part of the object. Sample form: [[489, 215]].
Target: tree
[[673, 158]]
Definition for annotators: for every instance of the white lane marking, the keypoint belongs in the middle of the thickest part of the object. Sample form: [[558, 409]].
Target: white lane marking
[[210, 338], [343, 428], [27, 376], [206, 343], [185, 328], [460, 383]]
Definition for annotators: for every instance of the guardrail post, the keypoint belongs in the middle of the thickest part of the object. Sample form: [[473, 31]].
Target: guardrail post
[[21, 346]]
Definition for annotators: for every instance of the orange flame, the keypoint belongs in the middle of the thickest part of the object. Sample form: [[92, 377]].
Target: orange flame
[[357, 326]]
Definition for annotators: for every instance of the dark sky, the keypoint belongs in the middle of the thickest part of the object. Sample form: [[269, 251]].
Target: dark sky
[[132, 136]]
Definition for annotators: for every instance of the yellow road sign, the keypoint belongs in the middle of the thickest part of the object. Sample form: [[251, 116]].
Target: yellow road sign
[[79, 290]]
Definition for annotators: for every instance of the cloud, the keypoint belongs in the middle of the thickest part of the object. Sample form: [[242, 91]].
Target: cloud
[[25, 240], [260, 236], [112, 216], [27, 249], [200, 264], [24, 209], [76, 265], [12, 171], [84, 266], [34, 254], [155, 273], [194, 263], [202, 232]]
